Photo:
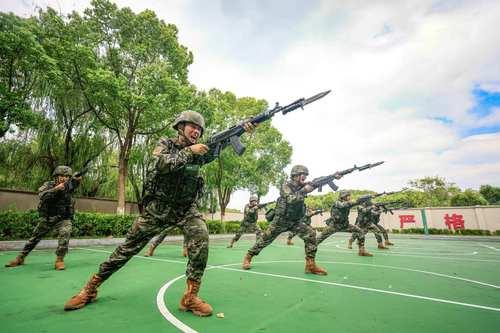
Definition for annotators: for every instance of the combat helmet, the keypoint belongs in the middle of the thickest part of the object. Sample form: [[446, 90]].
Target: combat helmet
[[344, 193], [190, 117], [253, 198], [299, 169], [62, 170]]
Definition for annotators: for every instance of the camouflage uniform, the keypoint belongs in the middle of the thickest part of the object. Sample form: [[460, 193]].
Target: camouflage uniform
[[307, 219], [339, 221], [161, 236], [56, 210], [376, 219], [249, 223], [364, 221], [172, 190], [289, 214]]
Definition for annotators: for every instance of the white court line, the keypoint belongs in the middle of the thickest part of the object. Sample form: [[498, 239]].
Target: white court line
[[389, 254], [489, 247], [160, 297]]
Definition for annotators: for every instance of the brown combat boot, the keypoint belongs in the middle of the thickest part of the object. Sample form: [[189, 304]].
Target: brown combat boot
[[289, 241], [231, 244], [184, 251], [382, 247], [150, 251], [387, 243], [16, 262], [86, 295], [363, 253], [247, 261], [349, 245], [191, 302], [311, 268], [59, 264]]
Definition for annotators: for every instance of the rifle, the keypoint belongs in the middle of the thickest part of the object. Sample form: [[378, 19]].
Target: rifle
[[386, 209], [70, 184], [263, 205], [328, 180], [316, 212], [232, 135]]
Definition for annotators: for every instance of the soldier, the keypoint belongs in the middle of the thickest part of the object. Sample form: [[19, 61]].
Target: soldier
[[172, 190], [289, 213], [307, 220], [249, 223], [56, 210], [339, 221], [377, 210], [364, 220], [159, 239]]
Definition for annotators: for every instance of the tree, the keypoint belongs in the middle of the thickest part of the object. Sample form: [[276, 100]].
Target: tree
[[266, 152], [140, 83], [490, 193], [23, 65], [434, 191], [468, 198]]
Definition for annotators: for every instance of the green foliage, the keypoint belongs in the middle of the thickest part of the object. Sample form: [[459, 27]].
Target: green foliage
[[20, 225], [468, 198], [434, 231], [491, 194]]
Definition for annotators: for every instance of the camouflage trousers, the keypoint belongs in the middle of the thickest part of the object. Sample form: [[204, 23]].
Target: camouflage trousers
[[365, 229], [248, 228], [46, 225], [382, 231], [292, 234], [305, 232], [159, 239], [148, 225], [334, 227]]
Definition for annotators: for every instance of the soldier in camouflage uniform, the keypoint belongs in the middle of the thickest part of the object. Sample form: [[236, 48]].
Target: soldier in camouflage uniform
[[289, 212], [307, 220], [377, 211], [159, 239], [249, 223], [56, 210], [366, 215], [339, 221], [172, 190]]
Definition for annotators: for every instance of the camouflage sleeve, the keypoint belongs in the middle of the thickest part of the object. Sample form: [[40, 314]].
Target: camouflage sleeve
[[71, 184], [209, 156], [290, 196], [46, 191], [168, 160]]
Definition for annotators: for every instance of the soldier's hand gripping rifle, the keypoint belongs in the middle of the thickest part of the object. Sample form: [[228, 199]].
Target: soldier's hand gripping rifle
[[232, 135], [328, 180], [316, 212]]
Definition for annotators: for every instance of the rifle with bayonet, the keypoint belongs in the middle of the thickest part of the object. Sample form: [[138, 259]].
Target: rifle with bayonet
[[265, 204], [232, 135], [328, 180]]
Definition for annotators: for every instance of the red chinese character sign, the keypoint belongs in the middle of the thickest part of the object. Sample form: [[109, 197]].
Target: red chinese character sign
[[406, 219], [455, 220]]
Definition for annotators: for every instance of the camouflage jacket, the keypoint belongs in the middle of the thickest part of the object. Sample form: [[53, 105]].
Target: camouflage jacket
[[175, 181], [250, 214], [340, 211], [290, 205], [55, 202], [367, 215]]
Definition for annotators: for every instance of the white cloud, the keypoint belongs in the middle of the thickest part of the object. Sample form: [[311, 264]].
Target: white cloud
[[393, 68]]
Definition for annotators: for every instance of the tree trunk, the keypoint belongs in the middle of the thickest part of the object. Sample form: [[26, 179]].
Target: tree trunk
[[123, 158]]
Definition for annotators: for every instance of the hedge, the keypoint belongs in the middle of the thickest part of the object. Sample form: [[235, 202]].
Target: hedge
[[20, 225]]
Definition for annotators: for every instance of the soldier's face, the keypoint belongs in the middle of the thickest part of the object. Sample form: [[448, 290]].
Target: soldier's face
[[302, 178], [347, 198], [253, 203], [61, 179], [192, 132]]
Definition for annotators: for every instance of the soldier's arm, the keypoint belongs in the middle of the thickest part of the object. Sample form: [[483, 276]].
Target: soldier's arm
[[168, 160], [290, 196], [46, 191], [72, 184]]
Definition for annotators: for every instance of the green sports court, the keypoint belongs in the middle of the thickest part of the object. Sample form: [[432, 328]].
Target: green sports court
[[421, 284]]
